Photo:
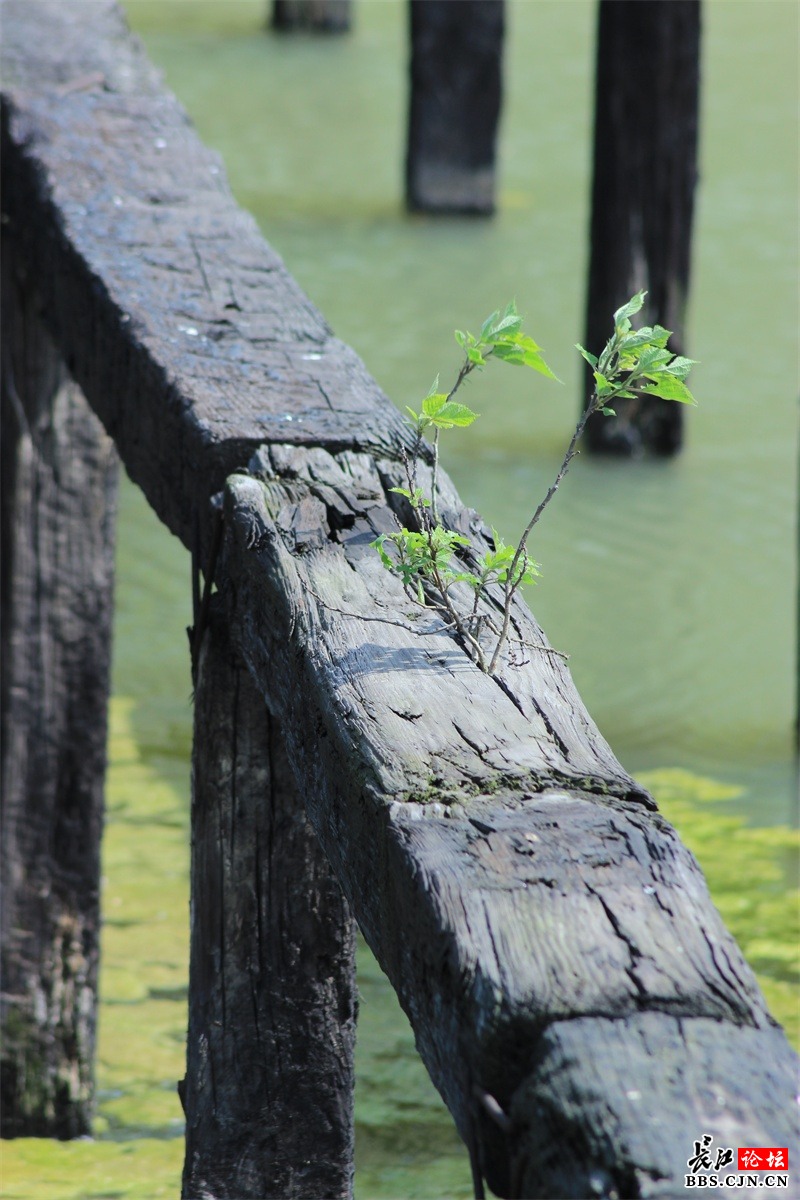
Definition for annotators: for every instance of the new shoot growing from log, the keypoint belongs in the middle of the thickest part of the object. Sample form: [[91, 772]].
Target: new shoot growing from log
[[437, 566]]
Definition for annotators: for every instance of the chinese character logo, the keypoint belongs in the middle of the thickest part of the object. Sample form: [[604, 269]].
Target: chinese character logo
[[763, 1158], [712, 1167], [702, 1159]]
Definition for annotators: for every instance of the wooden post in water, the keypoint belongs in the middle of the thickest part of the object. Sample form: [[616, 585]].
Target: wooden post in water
[[454, 108], [645, 170], [317, 16], [272, 999], [59, 480]]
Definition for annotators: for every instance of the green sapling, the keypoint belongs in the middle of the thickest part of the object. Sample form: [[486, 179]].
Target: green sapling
[[431, 561]]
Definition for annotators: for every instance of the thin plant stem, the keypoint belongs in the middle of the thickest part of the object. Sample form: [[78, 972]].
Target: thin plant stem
[[514, 578], [435, 477]]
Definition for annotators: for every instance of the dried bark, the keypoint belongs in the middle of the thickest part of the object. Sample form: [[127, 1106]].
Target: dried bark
[[454, 105], [59, 479], [647, 91]]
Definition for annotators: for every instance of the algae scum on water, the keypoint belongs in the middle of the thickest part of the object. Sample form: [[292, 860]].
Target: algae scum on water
[[406, 1146]]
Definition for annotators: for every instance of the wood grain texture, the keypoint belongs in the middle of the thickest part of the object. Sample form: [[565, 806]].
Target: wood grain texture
[[59, 480], [272, 995], [551, 940], [539, 920], [183, 327]]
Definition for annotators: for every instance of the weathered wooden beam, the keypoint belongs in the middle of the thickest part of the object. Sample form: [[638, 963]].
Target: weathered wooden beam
[[455, 98], [519, 888], [531, 908], [647, 95], [59, 478], [272, 996], [315, 16], [178, 289]]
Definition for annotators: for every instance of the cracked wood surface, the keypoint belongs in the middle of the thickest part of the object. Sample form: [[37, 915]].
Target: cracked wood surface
[[182, 323], [543, 925], [268, 1092], [550, 938]]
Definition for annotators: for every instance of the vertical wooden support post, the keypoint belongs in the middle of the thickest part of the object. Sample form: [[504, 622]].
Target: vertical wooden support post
[[455, 100], [272, 1001], [317, 16], [59, 486], [645, 171]]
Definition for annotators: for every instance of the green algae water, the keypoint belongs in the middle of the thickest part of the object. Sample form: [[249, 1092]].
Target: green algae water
[[671, 585]]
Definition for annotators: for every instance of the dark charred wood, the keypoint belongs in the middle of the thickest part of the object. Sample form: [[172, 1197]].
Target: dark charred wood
[[645, 170], [177, 286], [551, 940], [315, 16], [532, 910], [454, 105], [59, 478], [272, 1001]]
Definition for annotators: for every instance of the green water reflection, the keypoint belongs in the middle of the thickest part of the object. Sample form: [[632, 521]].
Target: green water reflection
[[671, 585]]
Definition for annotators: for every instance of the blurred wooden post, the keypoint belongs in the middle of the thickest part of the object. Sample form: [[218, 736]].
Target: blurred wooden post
[[59, 480], [272, 997], [455, 101], [645, 171], [316, 16]]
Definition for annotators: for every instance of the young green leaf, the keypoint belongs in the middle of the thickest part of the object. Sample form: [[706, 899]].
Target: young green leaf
[[434, 403], [473, 581], [602, 385], [509, 324], [636, 338], [669, 387], [488, 325], [652, 360], [633, 306], [590, 358], [417, 498], [452, 413], [378, 545], [681, 366], [660, 336], [523, 352], [528, 574]]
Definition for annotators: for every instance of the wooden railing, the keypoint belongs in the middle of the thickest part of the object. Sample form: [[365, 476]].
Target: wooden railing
[[573, 992]]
